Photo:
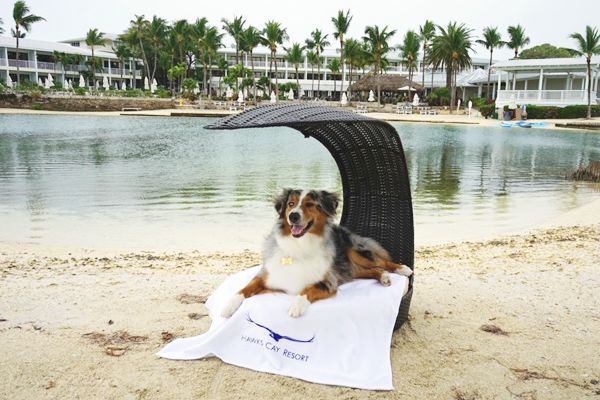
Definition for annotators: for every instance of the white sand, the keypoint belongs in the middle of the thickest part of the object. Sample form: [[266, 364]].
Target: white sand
[[541, 288]]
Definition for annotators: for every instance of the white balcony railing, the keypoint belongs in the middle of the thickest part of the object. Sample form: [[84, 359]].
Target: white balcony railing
[[543, 97], [21, 63], [47, 66]]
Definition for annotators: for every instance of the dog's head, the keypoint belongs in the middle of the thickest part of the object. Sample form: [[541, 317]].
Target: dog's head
[[303, 211]]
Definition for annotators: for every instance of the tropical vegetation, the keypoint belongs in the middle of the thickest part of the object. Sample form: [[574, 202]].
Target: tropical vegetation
[[23, 21], [588, 45], [517, 38], [491, 40]]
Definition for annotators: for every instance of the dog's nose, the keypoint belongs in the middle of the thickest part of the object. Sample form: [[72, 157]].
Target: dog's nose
[[294, 217]]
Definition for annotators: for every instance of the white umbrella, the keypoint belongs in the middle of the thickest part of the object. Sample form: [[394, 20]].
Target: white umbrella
[[123, 86], [97, 85], [40, 83], [416, 100], [371, 96], [146, 86], [229, 92], [65, 84], [291, 94], [344, 100], [71, 84], [260, 93], [240, 96], [273, 97], [155, 84], [105, 84], [81, 81], [116, 85], [458, 105], [470, 105], [406, 88], [47, 83], [9, 81], [51, 79], [302, 93]]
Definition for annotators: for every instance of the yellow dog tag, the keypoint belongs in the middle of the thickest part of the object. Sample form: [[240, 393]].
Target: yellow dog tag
[[287, 261]]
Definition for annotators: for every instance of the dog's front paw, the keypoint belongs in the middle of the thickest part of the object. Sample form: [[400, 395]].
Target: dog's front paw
[[385, 279], [299, 306], [404, 270], [234, 303]]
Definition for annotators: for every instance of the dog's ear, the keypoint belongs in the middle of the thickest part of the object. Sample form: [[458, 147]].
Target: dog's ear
[[281, 200], [329, 202]]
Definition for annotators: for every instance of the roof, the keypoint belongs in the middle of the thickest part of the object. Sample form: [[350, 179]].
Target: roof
[[546, 63], [109, 36], [387, 82], [40, 45]]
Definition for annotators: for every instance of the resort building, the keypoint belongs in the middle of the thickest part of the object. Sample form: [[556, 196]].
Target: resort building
[[330, 82], [37, 59], [550, 82]]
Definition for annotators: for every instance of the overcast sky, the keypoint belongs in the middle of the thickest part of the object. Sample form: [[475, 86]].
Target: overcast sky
[[545, 21]]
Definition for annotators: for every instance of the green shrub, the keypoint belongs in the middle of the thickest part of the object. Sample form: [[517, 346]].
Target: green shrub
[[439, 97], [80, 91], [487, 110], [37, 106], [58, 85], [478, 102], [162, 93], [542, 112], [133, 93], [578, 111]]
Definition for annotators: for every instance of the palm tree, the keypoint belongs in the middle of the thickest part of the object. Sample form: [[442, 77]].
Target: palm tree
[[250, 41], [426, 33], [295, 56], [182, 33], [213, 42], [517, 38], [235, 28], [410, 53], [334, 67], [138, 33], [353, 53], [157, 30], [378, 47], [22, 20], [93, 39], [588, 46], [491, 40], [341, 23], [273, 35], [451, 49], [317, 42], [313, 59], [123, 52], [198, 33]]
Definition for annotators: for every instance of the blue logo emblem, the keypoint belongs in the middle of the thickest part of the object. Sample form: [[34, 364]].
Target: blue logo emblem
[[276, 336]]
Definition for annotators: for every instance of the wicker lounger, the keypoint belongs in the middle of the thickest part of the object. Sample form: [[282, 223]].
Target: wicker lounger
[[369, 154]]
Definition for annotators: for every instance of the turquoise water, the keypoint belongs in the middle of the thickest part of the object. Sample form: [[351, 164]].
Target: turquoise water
[[166, 183]]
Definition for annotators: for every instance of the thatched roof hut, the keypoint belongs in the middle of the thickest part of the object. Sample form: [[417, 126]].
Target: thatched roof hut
[[389, 83]]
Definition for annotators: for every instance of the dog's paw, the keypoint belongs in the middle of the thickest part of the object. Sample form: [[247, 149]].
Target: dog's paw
[[404, 270], [298, 306], [232, 305], [385, 279]]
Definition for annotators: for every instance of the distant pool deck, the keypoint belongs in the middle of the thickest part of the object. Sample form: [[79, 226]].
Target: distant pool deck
[[593, 124]]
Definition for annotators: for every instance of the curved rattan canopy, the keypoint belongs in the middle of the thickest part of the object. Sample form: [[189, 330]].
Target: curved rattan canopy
[[369, 155]]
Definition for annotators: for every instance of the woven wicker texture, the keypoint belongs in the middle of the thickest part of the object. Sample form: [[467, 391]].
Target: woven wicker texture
[[369, 155]]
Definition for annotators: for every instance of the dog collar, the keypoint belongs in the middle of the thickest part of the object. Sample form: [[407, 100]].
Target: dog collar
[[287, 261]]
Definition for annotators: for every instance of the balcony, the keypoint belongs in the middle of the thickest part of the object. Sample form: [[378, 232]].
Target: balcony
[[543, 97], [47, 66], [21, 63]]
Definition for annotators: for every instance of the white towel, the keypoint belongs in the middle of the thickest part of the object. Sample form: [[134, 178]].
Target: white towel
[[341, 341]]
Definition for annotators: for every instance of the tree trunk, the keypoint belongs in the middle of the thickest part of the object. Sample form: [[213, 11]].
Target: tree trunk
[[253, 77], [423, 65], [93, 69], [343, 65], [276, 80], [297, 81], [205, 77], [270, 73], [350, 83], [144, 57], [377, 73], [18, 69], [312, 85], [154, 67], [589, 88], [133, 70], [209, 78], [318, 73], [489, 74]]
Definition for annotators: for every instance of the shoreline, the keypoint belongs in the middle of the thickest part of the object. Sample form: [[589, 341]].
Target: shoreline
[[563, 124]]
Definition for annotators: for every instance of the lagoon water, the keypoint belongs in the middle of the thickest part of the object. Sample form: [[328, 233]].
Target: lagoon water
[[149, 183]]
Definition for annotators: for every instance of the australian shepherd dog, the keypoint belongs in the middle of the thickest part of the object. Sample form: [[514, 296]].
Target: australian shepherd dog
[[308, 255]]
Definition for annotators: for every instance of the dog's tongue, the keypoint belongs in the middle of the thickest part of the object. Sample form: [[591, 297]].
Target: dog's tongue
[[297, 230]]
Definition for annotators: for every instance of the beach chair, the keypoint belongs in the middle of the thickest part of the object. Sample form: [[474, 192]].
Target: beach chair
[[399, 109], [368, 152], [408, 110], [431, 112]]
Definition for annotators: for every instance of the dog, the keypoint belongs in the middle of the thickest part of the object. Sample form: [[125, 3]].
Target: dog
[[308, 255]]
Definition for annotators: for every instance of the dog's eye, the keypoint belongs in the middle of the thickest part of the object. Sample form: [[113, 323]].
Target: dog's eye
[[310, 205], [291, 204]]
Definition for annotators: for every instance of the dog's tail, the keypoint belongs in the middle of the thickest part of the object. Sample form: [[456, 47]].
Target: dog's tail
[[369, 248]]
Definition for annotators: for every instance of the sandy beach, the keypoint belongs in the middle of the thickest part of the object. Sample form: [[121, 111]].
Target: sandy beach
[[513, 317]]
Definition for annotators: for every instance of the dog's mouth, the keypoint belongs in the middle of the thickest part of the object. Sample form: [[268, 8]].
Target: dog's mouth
[[299, 230]]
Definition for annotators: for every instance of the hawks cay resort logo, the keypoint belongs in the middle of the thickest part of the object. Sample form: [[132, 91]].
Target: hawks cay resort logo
[[277, 344]]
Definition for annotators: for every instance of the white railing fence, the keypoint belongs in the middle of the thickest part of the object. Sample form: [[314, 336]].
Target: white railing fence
[[548, 97]]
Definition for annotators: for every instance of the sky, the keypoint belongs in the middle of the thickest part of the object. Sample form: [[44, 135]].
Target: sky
[[544, 21]]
